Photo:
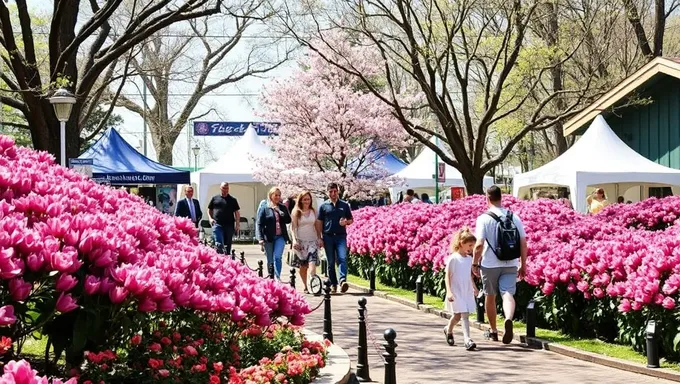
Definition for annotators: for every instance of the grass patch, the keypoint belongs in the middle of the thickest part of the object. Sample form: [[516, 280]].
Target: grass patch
[[589, 345]]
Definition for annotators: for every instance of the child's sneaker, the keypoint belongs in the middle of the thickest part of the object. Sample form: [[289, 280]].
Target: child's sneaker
[[470, 345], [449, 337], [491, 335]]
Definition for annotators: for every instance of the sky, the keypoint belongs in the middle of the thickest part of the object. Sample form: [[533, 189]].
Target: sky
[[237, 102]]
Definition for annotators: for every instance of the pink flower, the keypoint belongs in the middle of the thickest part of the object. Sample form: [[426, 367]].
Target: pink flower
[[668, 303], [66, 303], [19, 289], [65, 283], [92, 284], [7, 315], [118, 295]]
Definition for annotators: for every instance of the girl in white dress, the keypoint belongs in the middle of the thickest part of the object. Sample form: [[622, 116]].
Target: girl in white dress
[[460, 287], [306, 237]]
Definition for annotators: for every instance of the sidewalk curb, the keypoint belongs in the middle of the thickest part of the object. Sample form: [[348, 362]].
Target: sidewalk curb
[[338, 368], [532, 342]]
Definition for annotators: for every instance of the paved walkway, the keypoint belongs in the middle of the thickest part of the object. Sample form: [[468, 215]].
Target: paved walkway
[[424, 357]]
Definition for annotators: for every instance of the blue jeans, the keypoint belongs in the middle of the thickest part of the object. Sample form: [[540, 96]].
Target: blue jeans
[[223, 236], [336, 246], [274, 251]]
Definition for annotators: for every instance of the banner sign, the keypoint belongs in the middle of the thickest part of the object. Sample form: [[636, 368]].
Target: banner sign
[[232, 128], [441, 172], [457, 193], [82, 166]]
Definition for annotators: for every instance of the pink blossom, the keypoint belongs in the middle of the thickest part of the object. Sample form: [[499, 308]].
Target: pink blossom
[[65, 283], [19, 289], [7, 315], [66, 303]]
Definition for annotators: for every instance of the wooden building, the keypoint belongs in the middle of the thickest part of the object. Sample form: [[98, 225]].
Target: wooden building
[[644, 111]]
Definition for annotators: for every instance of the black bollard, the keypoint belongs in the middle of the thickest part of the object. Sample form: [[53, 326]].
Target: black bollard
[[260, 268], [327, 321], [531, 319], [292, 277], [389, 356], [233, 254], [652, 344], [419, 290], [362, 351], [243, 258], [219, 248], [371, 278], [270, 270], [480, 308]]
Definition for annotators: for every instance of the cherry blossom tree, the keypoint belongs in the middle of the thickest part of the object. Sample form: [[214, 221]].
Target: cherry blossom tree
[[331, 130]]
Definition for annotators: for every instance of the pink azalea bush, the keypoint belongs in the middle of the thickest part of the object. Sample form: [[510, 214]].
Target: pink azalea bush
[[78, 253], [627, 257]]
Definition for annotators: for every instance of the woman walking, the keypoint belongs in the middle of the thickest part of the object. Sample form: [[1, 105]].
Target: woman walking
[[271, 226], [306, 237]]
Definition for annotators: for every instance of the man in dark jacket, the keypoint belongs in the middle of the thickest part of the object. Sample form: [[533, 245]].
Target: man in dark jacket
[[189, 207]]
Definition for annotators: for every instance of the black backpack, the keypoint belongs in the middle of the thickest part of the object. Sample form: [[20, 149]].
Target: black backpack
[[508, 239]]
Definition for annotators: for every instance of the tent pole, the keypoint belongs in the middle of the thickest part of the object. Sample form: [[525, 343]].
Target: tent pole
[[144, 117], [436, 173]]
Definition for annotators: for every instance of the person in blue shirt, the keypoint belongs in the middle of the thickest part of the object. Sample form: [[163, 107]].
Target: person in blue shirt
[[334, 217]]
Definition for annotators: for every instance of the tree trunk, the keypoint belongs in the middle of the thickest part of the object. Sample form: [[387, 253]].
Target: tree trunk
[[474, 181], [552, 39], [164, 150]]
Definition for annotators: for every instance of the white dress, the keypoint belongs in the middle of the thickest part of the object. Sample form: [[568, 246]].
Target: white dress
[[461, 285], [307, 238]]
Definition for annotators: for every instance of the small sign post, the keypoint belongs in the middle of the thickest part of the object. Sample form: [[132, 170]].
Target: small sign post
[[82, 166]]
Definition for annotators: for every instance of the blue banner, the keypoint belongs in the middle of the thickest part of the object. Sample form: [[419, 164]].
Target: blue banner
[[232, 128]]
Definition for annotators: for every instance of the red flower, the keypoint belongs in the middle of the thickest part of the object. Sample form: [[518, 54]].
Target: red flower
[[166, 341], [5, 345], [136, 340], [164, 372], [191, 351], [155, 363], [176, 336], [214, 379], [199, 368], [155, 347], [218, 367]]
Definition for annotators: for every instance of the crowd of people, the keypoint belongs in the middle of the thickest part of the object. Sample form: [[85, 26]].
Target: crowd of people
[[494, 253]]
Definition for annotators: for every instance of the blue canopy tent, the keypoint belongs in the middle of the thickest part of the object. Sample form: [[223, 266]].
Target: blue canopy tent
[[392, 163], [383, 158], [118, 162]]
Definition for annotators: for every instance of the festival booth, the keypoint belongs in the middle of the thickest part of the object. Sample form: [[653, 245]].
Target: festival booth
[[418, 175], [116, 162], [599, 159], [236, 167]]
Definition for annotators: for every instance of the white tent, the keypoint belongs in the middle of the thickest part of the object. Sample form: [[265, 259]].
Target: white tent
[[598, 159], [236, 167], [418, 175]]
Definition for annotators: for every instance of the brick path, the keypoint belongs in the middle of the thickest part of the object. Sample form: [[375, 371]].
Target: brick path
[[424, 357]]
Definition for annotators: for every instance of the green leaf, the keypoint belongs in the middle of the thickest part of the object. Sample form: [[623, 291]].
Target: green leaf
[[80, 332], [676, 342]]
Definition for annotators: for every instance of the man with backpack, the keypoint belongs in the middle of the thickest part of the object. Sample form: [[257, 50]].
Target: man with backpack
[[499, 258]]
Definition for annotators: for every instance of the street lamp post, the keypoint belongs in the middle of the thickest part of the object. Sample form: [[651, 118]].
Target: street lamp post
[[62, 100], [196, 149]]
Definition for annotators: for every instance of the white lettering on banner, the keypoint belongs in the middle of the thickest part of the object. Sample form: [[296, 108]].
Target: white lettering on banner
[[219, 129], [131, 178]]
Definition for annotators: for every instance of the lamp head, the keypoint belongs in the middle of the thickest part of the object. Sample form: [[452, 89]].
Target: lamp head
[[196, 149], [62, 100]]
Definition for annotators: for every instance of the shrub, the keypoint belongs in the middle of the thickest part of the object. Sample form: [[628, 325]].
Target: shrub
[[87, 265]]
